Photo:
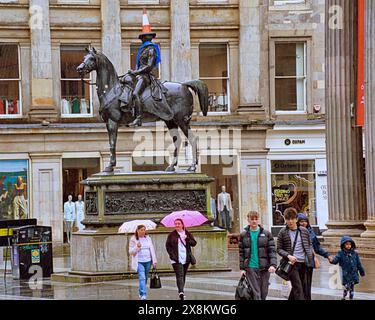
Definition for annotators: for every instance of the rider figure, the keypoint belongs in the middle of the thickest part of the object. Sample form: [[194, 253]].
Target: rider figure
[[148, 58]]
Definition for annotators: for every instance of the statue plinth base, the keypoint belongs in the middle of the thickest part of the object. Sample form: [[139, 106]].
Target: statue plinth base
[[111, 199]]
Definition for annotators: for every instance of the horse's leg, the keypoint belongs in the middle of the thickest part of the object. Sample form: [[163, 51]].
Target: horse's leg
[[193, 141], [173, 130], [112, 128]]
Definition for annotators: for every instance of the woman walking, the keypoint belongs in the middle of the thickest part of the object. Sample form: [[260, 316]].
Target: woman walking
[[294, 245], [178, 245], [143, 256]]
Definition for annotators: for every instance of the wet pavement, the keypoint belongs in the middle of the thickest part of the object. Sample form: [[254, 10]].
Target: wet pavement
[[199, 286]]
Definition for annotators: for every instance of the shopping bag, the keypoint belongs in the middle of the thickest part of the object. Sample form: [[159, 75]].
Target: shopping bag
[[244, 290], [155, 282]]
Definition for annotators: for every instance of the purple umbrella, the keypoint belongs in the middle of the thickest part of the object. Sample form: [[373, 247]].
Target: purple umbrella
[[190, 218]]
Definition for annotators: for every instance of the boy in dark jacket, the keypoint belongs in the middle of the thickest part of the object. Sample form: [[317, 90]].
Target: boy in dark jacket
[[350, 264], [257, 256]]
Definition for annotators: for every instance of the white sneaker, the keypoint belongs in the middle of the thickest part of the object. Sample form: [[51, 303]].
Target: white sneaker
[[143, 298]]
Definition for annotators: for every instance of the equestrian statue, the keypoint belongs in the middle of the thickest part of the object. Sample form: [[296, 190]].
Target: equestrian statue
[[139, 96]]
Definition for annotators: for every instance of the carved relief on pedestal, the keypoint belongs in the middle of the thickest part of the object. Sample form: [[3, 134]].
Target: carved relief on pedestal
[[128, 202]]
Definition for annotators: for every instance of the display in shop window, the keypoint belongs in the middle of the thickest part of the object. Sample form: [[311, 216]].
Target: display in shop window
[[293, 185], [13, 189]]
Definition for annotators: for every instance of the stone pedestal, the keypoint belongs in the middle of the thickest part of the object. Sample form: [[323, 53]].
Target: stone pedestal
[[100, 251], [111, 199]]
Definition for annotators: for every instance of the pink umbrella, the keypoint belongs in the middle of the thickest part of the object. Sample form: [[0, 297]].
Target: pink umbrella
[[190, 218]]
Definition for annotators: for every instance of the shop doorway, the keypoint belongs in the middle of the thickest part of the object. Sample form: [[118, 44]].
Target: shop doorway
[[74, 171], [229, 179]]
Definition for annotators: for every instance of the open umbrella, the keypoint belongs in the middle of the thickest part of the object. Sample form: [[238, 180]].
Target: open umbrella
[[131, 226], [190, 218]]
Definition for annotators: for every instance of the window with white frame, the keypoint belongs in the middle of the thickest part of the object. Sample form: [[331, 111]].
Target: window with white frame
[[10, 81], [290, 76], [133, 60], [76, 95], [213, 70]]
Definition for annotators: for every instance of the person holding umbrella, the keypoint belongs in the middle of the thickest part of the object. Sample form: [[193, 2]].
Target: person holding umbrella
[[142, 252], [178, 245]]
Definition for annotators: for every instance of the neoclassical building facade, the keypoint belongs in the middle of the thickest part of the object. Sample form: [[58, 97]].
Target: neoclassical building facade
[[263, 62]]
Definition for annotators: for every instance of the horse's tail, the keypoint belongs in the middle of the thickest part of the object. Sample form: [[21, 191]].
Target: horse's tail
[[200, 88]]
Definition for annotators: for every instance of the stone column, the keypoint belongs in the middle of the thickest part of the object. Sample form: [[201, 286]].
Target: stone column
[[111, 32], [249, 53], [346, 192], [180, 41], [42, 105], [370, 117], [47, 193]]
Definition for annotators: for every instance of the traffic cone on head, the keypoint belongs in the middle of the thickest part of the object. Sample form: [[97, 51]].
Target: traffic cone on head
[[146, 27]]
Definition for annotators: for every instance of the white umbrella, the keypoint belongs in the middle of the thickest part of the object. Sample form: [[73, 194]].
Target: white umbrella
[[131, 226]]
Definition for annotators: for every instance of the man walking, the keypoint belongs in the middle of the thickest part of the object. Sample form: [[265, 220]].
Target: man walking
[[257, 256]]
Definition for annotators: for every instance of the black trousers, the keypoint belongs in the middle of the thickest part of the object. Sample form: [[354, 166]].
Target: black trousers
[[259, 282], [180, 271], [300, 277]]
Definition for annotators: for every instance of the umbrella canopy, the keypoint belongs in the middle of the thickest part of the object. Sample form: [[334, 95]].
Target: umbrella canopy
[[190, 218], [131, 226]]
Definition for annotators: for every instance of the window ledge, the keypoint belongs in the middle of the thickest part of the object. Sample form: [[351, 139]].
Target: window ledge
[[67, 116], [290, 112], [291, 7]]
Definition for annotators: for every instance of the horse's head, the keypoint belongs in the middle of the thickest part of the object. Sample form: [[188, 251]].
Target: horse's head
[[89, 63]]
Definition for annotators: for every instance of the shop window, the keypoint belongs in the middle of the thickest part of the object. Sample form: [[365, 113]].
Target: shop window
[[293, 185], [14, 185], [290, 77], [215, 167], [213, 70], [10, 81], [133, 59], [76, 95]]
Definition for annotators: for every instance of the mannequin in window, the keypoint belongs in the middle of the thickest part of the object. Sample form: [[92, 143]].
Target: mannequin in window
[[224, 208], [80, 212], [19, 201], [69, 217]]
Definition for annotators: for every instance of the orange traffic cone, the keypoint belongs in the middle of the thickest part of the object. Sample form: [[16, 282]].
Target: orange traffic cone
[[146, 27]]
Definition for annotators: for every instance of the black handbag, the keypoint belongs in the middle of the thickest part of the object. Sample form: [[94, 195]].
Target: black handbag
[[155, 282], [244, 290], [193, 261], [285, 267]]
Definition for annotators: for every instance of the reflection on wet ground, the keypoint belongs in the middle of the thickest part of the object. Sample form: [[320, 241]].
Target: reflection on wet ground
[[200, 286]]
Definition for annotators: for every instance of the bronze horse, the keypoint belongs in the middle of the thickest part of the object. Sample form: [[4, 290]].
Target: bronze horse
[[114, 113]]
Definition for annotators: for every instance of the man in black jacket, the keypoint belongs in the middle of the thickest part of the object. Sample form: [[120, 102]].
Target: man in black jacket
[[294, 245], [257, 256]]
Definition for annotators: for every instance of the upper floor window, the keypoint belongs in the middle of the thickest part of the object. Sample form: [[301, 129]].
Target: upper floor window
[[133, 60], [290, 76], [76, 95], [284, 2], [213, 70], [10, 81]]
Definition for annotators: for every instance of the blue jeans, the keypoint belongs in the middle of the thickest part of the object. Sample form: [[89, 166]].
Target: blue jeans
[[143, 270]]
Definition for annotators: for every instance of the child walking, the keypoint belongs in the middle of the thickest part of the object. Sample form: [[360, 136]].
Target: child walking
[[348, 260]]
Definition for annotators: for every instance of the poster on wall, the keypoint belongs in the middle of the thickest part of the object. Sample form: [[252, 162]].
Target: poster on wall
[[13, 189]]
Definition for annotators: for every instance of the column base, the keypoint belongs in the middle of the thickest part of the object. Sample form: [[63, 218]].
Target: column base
[[347, 228], [370, 232]]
